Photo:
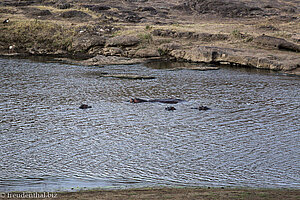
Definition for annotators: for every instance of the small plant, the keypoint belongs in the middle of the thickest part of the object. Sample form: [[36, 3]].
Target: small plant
[[236, 34], [162, 52], [148, 28]]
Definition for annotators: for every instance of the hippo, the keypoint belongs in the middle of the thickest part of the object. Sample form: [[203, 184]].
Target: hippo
[[170, 108], [137, 100], [202, 108], [84, 106], [167, 101]]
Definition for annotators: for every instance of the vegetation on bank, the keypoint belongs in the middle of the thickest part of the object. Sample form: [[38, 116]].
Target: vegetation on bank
[[36, 35]]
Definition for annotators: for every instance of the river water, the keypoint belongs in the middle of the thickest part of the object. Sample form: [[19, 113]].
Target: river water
[[250, 137]]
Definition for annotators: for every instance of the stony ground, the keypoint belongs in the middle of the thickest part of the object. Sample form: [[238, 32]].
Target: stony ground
[[262, 34]]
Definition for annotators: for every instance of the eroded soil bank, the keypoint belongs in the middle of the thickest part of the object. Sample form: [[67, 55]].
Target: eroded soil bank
[[260, 34]]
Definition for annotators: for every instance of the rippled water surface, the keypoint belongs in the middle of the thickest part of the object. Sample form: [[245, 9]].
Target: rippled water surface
[[249, 138]]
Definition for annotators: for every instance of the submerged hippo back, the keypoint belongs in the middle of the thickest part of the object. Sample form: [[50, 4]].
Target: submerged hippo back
[[168, 101]]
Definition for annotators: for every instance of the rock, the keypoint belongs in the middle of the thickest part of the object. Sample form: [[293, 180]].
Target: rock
[[276, 43], [208, 37], [164, 33], [146, 53], [112, 51], [41, 12], [164, 48], [296, 38], [219, 7], [132, 18], [150, 9], [64, 5], [110, 60], [254, 58], [86, 42], [74, 14], [122, 41], [97, 8], [268, 28]]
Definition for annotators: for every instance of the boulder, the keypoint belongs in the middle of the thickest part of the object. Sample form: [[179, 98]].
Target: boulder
[[122, 41], [276, 43], [85, 42]]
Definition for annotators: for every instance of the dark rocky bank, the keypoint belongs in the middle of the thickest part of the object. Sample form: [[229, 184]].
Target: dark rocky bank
[[239, 33]]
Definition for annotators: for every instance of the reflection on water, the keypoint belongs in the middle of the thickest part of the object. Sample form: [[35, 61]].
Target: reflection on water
[[250, 137]]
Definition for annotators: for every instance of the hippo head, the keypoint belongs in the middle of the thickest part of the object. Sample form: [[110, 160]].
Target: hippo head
[[137, 100], [84, 106], [171, 108]]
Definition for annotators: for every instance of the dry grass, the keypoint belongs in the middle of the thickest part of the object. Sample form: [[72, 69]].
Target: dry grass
[[37, 34]]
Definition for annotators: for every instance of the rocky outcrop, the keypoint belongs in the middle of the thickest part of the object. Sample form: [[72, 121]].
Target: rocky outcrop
[[208, 37], [222, 8], [146, 53], [122, 41], [258, 59], [276, 43], [112, 51]]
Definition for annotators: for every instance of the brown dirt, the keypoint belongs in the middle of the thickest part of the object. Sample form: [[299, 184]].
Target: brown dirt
[[184, 193]]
